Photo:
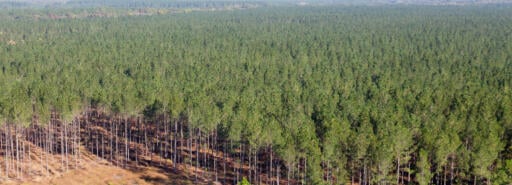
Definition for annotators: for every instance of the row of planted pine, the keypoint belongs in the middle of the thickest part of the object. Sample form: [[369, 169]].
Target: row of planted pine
[[132, 142]]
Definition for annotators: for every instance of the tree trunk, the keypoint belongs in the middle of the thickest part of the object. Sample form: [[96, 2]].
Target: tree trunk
[[126, 149], [137, 142], [189, 145], [198, 149], [23, 150], [180, 157], [6, 151], [77, 142], [29, 158], [250, 164], [329, 173], [359, 179], [225, 157], [44, 143], [214, 158], [256, 169], [444, 175], [235, 167], [271, 167], [47, 148], [62, 155], [288, 173], [16, 163], [409, 173], [117, 141], [278, 174], [196, 157], [109, 126], [370, 175], [2, 139], [146, 141], [398, 168], [352, 173], [241, 163], [156, 135], [205, 147], [451, 172], [66, 144], [166, 141], [305, 168], [175, 150], [364, 171]]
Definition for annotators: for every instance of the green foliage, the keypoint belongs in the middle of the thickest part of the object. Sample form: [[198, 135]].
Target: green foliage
[[424, 174], [349, 90], [503, 173], [244, 182]]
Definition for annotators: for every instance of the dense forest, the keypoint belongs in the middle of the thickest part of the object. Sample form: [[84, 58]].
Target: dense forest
[[78, 9], [310, 95], [127, 4]]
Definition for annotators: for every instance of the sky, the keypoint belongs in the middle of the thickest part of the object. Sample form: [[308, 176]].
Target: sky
[[313, 1]]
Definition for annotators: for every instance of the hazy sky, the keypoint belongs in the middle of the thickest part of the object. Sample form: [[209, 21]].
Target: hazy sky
[[307, 1]]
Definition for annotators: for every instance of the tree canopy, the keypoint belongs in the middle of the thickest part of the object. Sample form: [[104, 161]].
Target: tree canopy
[[374, 92]]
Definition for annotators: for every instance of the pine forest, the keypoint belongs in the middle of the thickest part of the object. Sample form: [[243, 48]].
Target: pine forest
[[256, 94]]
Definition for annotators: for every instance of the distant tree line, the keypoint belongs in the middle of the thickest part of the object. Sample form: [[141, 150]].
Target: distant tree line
[[116, 8], [160, 3]]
